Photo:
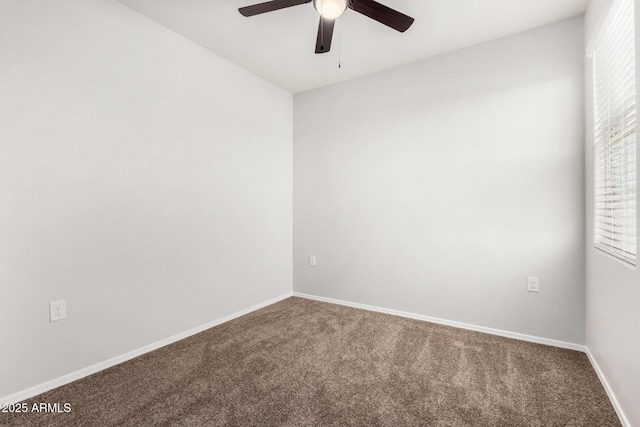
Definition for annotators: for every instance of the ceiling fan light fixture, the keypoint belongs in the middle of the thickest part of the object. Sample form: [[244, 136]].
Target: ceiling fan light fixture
[[330, 9]]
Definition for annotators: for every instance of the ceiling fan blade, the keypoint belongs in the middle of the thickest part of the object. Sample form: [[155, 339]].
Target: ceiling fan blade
[[269, 6], [383, 14], [325, 33]]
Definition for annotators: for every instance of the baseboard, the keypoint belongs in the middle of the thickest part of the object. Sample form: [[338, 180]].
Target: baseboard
[[612, 397], [499, 332], [90, 370]]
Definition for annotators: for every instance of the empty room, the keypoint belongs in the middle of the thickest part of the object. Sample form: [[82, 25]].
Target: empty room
[[319, 212]]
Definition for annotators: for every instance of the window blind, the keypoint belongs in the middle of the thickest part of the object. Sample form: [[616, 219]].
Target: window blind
[[615, 134]]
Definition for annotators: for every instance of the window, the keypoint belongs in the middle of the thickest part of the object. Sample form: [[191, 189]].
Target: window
[[614, 131]]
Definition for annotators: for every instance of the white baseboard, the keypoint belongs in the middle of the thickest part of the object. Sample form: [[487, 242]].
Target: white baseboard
[[90, 370], [508, 334], [612, 397]]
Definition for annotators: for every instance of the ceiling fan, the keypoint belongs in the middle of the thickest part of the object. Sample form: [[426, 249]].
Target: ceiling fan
[[330, 10]]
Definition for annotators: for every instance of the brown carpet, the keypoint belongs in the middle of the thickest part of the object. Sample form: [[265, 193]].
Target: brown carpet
[[306, 363]]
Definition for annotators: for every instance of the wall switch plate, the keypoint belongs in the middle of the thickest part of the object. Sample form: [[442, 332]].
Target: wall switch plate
[[312, 260], [533, 284], [57, 310]]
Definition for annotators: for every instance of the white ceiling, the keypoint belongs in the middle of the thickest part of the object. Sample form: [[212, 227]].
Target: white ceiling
[[279, 46]]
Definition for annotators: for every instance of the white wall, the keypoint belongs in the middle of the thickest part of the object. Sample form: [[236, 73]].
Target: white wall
[[142, 178], [613, 288], [436, 188]]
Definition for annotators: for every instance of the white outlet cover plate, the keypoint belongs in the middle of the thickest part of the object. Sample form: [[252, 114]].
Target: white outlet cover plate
[[533, 284], [57, 310]]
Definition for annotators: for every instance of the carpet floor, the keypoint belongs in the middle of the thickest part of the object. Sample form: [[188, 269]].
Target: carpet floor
[[306, 363]]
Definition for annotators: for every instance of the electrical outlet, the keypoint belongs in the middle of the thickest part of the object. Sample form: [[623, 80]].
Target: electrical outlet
[[57, 310], [533, 284], [312, 260]]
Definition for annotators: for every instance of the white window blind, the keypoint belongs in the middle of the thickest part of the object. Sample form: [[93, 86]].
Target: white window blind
[[615, 134]]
